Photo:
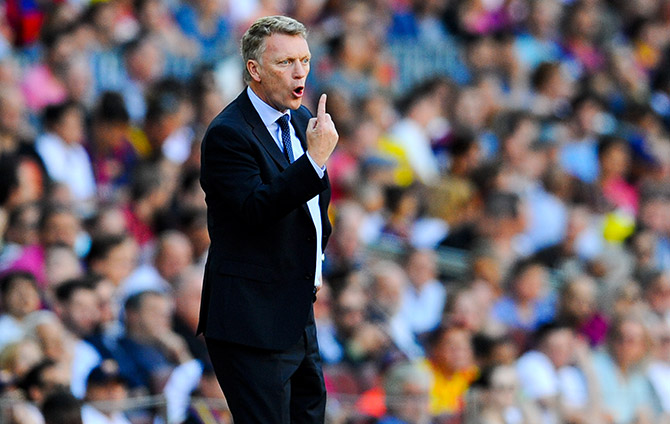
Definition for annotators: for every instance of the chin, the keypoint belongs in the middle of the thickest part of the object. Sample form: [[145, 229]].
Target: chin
[[295, 104]]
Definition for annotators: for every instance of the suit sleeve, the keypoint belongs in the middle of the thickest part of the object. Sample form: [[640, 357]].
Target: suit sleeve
[[231, 173]]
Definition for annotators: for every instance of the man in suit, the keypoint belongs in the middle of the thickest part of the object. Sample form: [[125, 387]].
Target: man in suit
[[263, 173]]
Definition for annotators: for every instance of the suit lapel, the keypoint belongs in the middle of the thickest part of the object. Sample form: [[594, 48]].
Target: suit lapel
[[260, 130]]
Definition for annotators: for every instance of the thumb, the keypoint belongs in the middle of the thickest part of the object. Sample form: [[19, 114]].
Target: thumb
[[311, 125]]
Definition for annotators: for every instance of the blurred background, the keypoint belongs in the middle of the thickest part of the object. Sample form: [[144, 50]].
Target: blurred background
[[501, 208]]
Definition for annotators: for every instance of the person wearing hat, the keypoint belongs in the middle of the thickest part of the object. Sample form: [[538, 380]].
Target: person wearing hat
[[106, 391]]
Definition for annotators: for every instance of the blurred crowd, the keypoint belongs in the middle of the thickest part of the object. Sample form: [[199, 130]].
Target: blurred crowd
[[501, 208]]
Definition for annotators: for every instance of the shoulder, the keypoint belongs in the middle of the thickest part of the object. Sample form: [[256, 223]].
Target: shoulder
[[49, 147], [231, 116], [229, 121], [535, 361], [46, 140]]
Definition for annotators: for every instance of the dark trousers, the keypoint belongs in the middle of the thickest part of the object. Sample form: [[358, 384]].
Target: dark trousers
[[272, 387]]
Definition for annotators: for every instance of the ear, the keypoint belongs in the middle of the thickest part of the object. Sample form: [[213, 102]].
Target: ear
[[253, 68]]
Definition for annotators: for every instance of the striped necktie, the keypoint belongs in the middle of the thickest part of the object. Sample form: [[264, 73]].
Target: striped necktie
[[286, 137]]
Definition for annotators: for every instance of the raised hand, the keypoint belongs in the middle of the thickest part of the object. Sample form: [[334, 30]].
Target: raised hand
[[321, 134]]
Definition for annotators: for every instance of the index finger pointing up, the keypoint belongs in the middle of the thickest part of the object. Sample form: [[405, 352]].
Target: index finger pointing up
[[321, 109]]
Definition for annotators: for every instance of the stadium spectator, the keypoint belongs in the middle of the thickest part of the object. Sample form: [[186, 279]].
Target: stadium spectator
[[498, 390], [148, 196], [423, 299], [62, 408], [577, 307], [106, 392], [389, 282], [44, 379], [155, 18], [61, 149], [113, 257], [204, 24], [625, 393], [20, 297], [144, 63], [167, 121], [149, 350], [407, 395], [18, 358], [529, 303], [77, 309], [421, 110], [44, 83], [187, 291], [112, 155], [547, 377], [173, 255], [450, 360]]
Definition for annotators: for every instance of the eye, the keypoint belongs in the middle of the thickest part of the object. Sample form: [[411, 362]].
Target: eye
[[285, 62], [305, 60]]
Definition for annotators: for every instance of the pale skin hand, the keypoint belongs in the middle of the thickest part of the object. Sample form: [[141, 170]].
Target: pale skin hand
[[321, 134], [175, 346]]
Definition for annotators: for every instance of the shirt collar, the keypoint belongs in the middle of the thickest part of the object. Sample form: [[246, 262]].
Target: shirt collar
[[268, 114]]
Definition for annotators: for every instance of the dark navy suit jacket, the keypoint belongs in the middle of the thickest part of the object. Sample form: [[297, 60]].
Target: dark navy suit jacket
[[259, 278]]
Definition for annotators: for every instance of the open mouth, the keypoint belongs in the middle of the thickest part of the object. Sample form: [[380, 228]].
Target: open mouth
[[298, 91]]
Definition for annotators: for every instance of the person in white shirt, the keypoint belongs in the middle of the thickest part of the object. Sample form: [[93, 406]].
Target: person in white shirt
[[174, 254], [61, 150], [658, 370], [548, 377], [19, 297], [423, 300], [413, 132], [106, 392]]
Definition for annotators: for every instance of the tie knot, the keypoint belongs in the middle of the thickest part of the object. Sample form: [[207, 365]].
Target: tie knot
[[283, 122]]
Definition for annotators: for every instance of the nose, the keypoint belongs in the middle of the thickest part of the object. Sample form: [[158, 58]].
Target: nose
[[300, 70]]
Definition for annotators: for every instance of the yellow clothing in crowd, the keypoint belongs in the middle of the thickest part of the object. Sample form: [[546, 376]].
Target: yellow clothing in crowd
[[447, 391]]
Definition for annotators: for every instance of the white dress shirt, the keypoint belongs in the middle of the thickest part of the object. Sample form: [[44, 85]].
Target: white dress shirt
[[90, 415], [68, 164], [422, 309], [416, 144], [269, 116]]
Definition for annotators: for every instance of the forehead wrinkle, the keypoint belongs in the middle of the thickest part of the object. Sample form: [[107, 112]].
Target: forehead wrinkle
[[280, 50]]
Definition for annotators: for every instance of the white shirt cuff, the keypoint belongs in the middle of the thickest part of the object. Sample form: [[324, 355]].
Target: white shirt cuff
[[320, 171]]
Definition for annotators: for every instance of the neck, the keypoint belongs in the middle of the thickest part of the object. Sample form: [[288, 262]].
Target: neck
[[445, 370], [260, 93]]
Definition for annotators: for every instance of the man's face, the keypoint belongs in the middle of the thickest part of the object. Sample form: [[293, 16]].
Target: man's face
[[279, 77], [155, 316], [22, 298], [119, 263], [454, 350], [82, 313], [61, 228]]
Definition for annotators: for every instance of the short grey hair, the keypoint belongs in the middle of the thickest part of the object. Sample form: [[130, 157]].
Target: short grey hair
[[253, 41], [401, 374]]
